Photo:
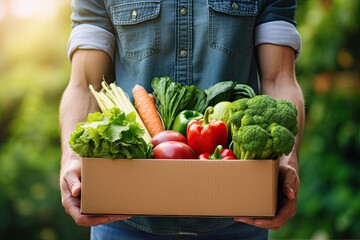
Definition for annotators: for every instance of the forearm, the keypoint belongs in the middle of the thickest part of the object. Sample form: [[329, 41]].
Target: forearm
[[292, 93], [88, 67], [75, 105], [277, 65]]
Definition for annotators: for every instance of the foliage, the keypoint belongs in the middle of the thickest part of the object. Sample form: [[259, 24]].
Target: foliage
[[34, 71], [329, 197], [329, 73]]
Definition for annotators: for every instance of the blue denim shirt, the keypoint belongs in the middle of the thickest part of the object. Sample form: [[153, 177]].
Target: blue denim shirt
[[197, 42]]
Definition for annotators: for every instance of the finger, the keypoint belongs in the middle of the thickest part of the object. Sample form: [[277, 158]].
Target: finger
[[74, 185], [288, 191], [72, 206], [87, 221], [260, 222], [290, 182], [285, 212], [71, 177]]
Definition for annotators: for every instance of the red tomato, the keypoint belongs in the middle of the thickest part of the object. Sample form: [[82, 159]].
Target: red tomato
[[173, 150], [168, 135]]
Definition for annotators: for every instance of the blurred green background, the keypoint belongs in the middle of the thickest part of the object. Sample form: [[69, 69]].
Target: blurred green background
[[34, 71]]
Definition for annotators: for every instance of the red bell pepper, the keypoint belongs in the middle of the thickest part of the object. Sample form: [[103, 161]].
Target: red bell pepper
[[219, 153], [204, 135]]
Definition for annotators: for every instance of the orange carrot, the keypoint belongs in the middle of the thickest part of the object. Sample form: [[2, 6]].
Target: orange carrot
[[145, 105]]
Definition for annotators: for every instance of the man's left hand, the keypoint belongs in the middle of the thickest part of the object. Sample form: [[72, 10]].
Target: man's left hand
[[288, 175]]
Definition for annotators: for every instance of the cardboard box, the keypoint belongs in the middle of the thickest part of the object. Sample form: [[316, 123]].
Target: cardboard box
[[179, 187]]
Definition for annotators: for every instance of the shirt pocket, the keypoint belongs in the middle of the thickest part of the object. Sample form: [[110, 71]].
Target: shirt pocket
[[231, 25], [138, 28]]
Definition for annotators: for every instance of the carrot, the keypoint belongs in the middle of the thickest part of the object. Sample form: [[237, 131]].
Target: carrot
[[145, 105]]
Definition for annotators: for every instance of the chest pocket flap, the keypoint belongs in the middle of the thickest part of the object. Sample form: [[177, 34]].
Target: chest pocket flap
[[235, 8], [134, 13]]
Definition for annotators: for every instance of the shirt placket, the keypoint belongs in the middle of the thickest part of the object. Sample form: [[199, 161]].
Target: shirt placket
[[184, 34]]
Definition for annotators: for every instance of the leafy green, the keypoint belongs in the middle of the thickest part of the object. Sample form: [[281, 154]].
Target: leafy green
[[172, 98], [219, 92], [113, 96], [112, 134], [242, 91], [198, 102]]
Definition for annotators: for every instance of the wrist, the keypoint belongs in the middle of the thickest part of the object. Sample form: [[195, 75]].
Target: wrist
[[69, 155], [290, 160]]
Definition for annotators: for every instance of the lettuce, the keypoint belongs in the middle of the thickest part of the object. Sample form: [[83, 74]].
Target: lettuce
[[112, 134]]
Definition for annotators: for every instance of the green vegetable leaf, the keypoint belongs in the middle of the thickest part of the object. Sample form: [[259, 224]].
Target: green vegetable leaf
[[219, 92], [112, 134], [171, 98]]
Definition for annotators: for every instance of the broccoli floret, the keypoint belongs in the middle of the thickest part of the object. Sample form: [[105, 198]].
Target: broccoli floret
[[283, 140], [262, 117], [241, 104], [260, 103], [236, 120], [247, 120], [250, 142], [233, 107], [286, 115]]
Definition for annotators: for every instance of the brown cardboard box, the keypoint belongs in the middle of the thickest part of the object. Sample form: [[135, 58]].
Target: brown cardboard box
[[179, 187]]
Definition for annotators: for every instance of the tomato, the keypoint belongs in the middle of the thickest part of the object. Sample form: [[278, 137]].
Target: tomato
[[168, 135], [173, 150]]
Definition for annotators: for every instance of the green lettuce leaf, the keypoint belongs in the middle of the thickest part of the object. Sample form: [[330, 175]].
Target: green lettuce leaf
[[112, 134]]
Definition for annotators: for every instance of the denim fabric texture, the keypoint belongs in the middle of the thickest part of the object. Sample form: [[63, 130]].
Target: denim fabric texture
[[193, 42], [122, 231], [199, 43]]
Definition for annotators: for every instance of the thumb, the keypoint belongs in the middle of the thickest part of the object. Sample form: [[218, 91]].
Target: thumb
[[74, 186], [290, 182], [290, 186], [289, 191]]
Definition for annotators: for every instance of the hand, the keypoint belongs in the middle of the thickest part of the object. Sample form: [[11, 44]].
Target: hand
[[70, 191], [288, 175]]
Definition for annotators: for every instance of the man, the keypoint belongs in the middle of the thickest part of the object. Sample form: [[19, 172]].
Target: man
[[200, 42]]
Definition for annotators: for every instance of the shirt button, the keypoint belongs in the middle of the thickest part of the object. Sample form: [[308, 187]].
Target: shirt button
[[134, 14], [183, 53], [234, 6], [183, 11]]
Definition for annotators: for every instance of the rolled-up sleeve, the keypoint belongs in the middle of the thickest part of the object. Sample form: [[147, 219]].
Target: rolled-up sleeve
[[87, 36], [276, 25], [279, 33], [92, 28]]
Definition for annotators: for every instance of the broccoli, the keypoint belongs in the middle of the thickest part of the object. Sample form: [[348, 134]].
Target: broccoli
[[250, 140], [283, 139], [236, 119], [286, 114], [238, 106], [260, 103], [261, 127]]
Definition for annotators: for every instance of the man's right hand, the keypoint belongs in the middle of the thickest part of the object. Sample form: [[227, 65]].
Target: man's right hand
[[70, 187]]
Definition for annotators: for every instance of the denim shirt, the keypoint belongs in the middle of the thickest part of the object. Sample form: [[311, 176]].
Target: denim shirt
[[198, 42]]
